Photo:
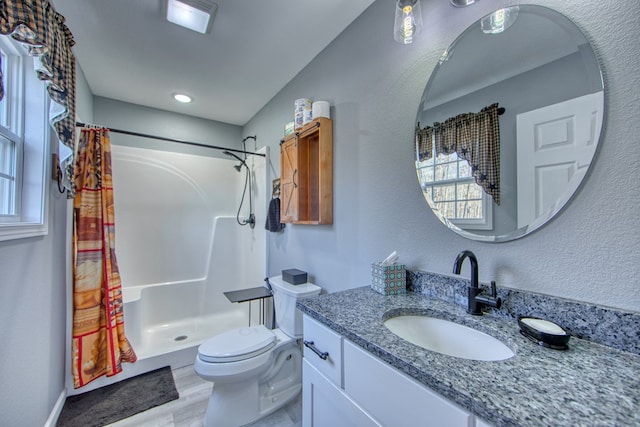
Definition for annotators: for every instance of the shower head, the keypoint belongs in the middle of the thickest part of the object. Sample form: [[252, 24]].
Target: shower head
[[236, 167]]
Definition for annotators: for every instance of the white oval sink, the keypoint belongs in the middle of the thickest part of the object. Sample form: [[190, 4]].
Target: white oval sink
[[448, 338]]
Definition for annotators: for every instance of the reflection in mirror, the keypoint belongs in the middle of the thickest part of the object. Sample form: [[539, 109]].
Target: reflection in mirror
[[542, 72]]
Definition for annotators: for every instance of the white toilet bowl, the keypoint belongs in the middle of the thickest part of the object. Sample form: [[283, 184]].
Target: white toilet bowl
[[254, 370], [251, 382]]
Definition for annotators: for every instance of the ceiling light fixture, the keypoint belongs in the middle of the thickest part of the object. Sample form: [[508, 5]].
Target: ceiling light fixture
[[408, 21], [196, 15], [500, 20], [181, 97], [462, 3]]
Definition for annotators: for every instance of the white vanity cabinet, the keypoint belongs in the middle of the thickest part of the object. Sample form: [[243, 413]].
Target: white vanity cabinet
[[393, 398], [324, 402], [354, 388]]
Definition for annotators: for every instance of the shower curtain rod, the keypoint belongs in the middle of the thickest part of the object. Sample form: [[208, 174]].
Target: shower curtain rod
[[161, 138]]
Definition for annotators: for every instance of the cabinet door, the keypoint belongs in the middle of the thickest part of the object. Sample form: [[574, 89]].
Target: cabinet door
[[325, 405], [306, 175], [394, 398], [324, 340], [288, 181]]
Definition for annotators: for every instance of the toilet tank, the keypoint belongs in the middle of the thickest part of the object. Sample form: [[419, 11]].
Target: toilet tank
[[285, 295]]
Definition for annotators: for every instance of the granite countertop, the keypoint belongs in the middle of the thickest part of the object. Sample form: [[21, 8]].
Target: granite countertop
[[587, 385]]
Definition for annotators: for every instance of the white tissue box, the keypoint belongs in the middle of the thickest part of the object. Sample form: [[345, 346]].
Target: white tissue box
[[388, 279]]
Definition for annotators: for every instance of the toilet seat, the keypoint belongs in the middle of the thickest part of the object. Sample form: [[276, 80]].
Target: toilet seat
[[237, 344]]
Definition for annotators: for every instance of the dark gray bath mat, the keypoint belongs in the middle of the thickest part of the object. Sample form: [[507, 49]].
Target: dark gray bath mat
[[120, 400]]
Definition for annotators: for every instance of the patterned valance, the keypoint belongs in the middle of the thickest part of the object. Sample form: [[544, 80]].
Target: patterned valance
[[475, 137], [38, 25]]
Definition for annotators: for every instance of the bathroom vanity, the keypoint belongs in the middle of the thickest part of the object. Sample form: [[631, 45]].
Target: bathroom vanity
[[352, 385], [370, 376]]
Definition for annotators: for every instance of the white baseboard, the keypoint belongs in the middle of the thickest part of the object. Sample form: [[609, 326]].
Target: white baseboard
[[57, 409]]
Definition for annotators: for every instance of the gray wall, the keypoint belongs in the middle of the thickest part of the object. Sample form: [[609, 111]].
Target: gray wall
[[151, 121], [32, 314], [589, 253]]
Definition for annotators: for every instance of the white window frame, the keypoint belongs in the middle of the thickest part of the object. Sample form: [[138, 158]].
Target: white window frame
[[484, 223], [28, 104]]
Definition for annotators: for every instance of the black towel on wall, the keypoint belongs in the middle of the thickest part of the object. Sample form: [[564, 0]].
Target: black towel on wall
[[273, 216]]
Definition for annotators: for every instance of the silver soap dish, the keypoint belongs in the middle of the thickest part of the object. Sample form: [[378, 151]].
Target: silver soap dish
[[544, 332]]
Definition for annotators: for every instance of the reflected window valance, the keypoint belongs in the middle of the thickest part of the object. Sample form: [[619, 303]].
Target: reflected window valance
[[36, 24], [474, 137]]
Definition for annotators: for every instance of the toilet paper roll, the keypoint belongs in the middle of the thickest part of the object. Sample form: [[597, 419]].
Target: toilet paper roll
[[320, 109], [302, 103]]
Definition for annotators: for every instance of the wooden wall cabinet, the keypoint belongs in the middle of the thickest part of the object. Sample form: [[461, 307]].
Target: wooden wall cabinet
[[306, 174]]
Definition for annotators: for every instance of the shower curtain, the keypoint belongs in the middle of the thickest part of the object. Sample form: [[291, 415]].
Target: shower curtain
[[99, 342]]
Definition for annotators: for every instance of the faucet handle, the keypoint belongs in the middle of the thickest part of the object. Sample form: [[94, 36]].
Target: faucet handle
[[494, 290], [493, 300]]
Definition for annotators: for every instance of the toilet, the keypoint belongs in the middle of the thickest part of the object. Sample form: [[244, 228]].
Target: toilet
[[255, 370]]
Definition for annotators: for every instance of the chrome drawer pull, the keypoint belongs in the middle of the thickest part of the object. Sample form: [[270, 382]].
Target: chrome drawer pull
[[321, 354]]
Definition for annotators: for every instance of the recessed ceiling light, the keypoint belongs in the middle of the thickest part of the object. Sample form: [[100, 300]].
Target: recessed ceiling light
[[181, 97], [196, 15]]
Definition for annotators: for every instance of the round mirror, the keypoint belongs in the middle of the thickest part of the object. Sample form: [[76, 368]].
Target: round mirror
[[509, 123]]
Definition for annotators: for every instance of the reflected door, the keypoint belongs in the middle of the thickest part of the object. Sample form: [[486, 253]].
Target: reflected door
[[555, 147]]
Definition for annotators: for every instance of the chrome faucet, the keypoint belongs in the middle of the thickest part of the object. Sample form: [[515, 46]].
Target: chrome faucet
[[475, 300]]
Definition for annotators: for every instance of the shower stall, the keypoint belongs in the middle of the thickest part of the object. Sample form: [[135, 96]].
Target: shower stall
[[180, 246]]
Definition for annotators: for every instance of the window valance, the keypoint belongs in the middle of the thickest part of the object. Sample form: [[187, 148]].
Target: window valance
[[36, 24], [474, 137]]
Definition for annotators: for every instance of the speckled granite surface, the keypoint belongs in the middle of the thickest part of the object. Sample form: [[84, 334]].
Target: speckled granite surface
[[603, 325], [587, 385]]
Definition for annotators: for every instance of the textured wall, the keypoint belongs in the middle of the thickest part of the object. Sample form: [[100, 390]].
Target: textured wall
[[589, 253]]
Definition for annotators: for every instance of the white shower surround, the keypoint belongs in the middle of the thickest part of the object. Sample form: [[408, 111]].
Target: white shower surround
[[179, 247]]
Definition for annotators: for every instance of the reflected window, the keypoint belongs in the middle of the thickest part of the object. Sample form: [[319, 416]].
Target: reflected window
[[448, 183]]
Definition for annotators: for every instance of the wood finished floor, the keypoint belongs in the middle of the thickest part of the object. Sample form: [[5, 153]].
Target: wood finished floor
[[190, 408]]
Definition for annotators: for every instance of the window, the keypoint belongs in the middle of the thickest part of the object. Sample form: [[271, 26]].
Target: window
[[8, 181], [10, 134], [24, 143], [447, 181]]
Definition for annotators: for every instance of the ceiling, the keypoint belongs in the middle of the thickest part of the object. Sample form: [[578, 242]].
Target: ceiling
[[128, 51], [476, 60]]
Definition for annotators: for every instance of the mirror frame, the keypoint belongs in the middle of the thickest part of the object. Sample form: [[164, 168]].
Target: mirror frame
[[562, 201]]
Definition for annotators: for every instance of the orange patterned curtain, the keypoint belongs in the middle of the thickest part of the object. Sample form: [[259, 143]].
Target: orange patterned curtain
[[99, 342]]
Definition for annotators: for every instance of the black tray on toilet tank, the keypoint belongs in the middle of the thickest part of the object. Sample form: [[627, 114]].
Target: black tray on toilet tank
[[294, 276]]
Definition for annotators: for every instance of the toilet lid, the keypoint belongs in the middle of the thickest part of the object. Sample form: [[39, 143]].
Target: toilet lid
[[237, 344]]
